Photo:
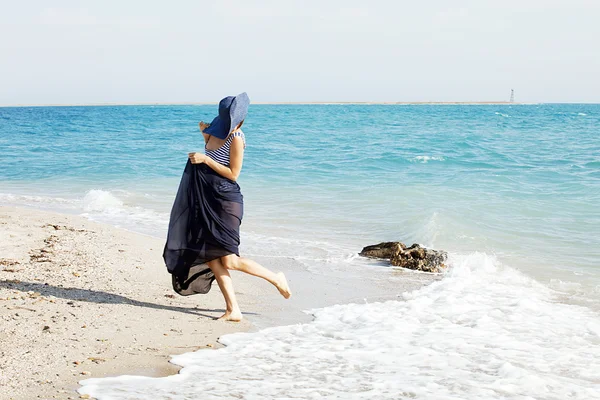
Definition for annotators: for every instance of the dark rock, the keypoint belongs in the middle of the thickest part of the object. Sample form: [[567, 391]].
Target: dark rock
[[413, 257], [382, 250]]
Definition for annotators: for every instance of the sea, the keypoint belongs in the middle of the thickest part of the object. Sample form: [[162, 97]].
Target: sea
[[510, 191]]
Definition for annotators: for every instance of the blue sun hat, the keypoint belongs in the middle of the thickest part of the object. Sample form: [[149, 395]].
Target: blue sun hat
[[232, 111]]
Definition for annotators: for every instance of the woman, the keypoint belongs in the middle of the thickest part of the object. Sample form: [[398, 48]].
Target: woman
[[204, 228]]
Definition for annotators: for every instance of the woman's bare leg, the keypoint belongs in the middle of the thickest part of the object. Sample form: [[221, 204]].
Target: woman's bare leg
[[251, 267], [232, 312]]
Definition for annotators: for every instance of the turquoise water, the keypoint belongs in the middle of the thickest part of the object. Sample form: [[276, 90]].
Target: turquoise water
[[511, 191], [521, 182]]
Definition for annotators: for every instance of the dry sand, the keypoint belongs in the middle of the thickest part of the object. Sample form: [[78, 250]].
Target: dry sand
[[80, 299]]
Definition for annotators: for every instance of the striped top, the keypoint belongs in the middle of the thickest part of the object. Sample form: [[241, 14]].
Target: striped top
[[221, 155]]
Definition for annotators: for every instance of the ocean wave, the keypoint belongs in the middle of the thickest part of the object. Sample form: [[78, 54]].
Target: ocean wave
[[100, 206], [19, 199], [105, 206], [592, 164], [429, 230], [100, 201], [485, 331]]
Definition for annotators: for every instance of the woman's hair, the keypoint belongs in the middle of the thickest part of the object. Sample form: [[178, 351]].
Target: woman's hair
[[240, 125]]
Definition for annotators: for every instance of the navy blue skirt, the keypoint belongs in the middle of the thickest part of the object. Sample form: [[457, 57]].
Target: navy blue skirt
[[204, 225]]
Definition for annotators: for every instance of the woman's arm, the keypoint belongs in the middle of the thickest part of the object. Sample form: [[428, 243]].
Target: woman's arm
[[203, 126], [236, 158]]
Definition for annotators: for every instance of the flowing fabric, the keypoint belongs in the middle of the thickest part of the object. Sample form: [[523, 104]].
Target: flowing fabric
[[204, 225]]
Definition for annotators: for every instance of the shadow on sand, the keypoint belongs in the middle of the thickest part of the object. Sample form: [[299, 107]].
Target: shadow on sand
[[95, 296]]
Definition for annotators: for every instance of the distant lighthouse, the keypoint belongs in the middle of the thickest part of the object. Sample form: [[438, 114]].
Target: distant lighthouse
[[512, 95]]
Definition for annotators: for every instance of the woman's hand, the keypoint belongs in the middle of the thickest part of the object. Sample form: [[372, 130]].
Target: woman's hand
[[197, 158], [203, 126]]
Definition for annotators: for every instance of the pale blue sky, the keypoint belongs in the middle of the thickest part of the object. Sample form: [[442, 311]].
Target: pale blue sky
[[312, 50]]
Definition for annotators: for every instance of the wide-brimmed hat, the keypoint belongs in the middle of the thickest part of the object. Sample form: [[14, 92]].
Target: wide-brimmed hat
[[232, 111]]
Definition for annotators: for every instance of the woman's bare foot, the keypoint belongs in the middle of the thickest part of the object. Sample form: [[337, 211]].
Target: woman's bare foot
[[232, 316], [282, 285]]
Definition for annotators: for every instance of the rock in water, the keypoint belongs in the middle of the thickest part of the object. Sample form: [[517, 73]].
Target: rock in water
[[382, 250], [413, 257]]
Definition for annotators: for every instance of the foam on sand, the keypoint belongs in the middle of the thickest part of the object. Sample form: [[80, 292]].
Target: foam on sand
[[484, 332]]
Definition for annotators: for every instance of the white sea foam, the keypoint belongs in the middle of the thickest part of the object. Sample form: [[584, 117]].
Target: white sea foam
[[105, 206], [502, 114], [100, 200], [425, 159], [37, 201], [483, 332], [429, 231], [101, 206]]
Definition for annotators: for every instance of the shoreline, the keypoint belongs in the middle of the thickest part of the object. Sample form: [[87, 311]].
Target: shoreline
[[80, 299], [77, 296]]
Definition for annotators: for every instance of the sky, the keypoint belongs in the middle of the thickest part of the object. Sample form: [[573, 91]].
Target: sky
[[180, 51]]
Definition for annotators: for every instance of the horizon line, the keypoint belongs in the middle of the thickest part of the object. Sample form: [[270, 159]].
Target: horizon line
[[108, 104]]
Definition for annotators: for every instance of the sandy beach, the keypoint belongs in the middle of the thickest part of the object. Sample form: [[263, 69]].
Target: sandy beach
[[80, 299]]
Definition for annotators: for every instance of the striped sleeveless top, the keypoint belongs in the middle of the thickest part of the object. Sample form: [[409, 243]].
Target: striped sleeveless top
[[221, 155]]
